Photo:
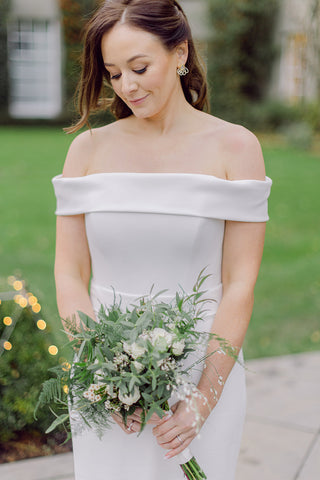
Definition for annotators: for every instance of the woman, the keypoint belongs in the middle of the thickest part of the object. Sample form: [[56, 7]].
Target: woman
[[153, 198]]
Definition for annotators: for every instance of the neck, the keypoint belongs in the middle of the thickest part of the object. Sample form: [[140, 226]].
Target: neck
[[173, 118]]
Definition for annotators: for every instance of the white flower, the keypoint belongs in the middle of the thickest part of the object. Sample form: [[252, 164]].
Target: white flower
[[127, 347], [130, 399], [161, 338], [134, 349], [137, 351], [138, 366], [178, 347]]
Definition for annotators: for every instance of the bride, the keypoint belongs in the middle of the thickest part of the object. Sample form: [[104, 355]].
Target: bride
[[152, 198]]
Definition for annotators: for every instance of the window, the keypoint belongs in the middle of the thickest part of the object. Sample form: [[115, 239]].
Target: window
[[34, 55]]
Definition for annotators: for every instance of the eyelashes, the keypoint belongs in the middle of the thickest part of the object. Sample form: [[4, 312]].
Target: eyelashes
[[139, 72]]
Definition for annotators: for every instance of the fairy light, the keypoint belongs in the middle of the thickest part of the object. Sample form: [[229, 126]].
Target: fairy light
[[41, 324], [65, 389], [17, 285], [17, 297], [11, 280], [66, 366], [23, 302], [36, 308], [32, 300], [7, 345], [53, 350], [7, 321], [24, 299]]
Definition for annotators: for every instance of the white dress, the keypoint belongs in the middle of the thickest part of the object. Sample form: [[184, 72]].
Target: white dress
[[161, 229]]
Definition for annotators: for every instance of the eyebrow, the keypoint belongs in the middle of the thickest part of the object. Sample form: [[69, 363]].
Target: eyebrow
[[139, 55]]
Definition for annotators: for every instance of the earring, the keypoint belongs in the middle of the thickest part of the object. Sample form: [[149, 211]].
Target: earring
[[182, 71]]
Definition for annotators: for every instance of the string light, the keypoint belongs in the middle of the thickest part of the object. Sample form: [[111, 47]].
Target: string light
[[65, 389], [23, 299], [17, 285], [7, 321], [36, 308], [41, 324], [7, 345], [17, 297], [23, 302], [32, 300], [66, 366], [53, 350]]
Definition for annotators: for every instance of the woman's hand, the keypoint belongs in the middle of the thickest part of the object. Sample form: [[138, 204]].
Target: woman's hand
[[176, 431], [134, 421]]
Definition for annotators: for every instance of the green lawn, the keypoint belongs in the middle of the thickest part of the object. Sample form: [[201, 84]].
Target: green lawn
[[287, 301]]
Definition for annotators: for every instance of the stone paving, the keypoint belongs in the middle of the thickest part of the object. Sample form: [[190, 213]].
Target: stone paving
[[282, 432]]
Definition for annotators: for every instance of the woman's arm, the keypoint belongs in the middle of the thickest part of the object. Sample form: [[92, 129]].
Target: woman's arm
[[242, 253], [72, 267], [72, 261]]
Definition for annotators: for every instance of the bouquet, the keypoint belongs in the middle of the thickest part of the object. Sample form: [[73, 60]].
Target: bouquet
[[131, 359]]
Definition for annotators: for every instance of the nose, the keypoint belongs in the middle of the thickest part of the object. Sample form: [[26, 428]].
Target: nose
[[128, 84]]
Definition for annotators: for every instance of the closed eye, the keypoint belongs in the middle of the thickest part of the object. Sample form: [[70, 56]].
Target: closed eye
[[142, 70], [139, 72]]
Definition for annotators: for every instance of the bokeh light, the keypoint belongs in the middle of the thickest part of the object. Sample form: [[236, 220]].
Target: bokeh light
[[32, 300], [66, 389], [36, 308], [53, 350], [7, 345], [23, 302], [7, 321], [11, 280], [41, 324], [17, 285]]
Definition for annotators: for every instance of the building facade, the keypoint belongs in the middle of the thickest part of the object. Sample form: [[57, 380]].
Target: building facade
[[34, 59], [35, 53]]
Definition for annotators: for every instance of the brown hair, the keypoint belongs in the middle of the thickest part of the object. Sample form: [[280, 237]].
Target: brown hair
[[163, 18]]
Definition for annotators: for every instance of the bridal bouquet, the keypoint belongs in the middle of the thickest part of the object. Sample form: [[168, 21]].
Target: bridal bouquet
[[133, 358]]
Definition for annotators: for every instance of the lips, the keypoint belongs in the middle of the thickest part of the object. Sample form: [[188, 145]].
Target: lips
[[138, 100]]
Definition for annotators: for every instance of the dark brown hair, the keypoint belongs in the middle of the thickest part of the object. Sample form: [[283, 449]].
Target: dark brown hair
[[164, 19]]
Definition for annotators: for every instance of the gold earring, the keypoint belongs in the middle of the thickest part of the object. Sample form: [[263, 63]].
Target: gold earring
[[182, 71]]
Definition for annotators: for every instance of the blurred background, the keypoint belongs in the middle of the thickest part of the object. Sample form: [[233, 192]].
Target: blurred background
[[263, 65]]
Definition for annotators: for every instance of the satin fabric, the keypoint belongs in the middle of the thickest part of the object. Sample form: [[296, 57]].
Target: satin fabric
[[161, 229]]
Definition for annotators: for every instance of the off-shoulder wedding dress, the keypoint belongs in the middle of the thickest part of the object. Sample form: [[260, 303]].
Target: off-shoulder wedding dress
[[161, 229]]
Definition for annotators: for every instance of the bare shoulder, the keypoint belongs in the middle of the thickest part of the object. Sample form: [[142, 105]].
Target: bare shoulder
[[237, 147], [82, 151], [244, 158]]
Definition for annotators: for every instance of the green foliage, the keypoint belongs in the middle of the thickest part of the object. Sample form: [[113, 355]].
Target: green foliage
[[75, 14], [131, 358], [22, 370], [299, 135], [240, 53]]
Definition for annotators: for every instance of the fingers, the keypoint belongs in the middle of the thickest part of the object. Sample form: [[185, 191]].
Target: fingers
[[131, 427], [182, 446], [154, 419]]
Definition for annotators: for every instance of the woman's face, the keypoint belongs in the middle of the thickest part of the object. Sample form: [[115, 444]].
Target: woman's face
[[142, 72]]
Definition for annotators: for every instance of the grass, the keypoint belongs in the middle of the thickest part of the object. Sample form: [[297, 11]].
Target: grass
[[287, 300]]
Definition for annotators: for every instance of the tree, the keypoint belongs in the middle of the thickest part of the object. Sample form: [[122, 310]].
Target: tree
[[241, 53]]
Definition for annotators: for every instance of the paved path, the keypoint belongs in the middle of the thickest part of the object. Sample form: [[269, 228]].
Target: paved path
[[282, 433]]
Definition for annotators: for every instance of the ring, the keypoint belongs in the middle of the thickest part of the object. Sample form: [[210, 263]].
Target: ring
[[180, 440], [130, 426]]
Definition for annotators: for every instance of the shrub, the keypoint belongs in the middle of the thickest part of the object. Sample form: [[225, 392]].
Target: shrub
[[299, 135], [241, 54], [24, 343]]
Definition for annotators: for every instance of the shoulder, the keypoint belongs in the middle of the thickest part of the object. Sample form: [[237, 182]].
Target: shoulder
[[238, 148], [83, 148]]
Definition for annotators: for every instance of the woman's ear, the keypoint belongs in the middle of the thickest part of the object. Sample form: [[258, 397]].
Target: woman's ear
[[182, 53]]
